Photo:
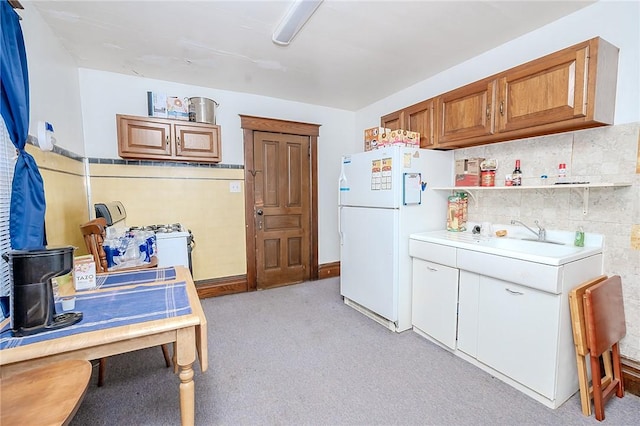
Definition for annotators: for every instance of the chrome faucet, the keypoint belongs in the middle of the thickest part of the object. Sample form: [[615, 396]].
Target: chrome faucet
[[541, 233]]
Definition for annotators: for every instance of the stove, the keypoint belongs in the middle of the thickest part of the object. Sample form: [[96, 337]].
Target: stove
[[174, 242], [162, 229]]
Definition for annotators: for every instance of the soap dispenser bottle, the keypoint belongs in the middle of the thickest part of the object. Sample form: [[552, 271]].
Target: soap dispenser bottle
[[579, 240]]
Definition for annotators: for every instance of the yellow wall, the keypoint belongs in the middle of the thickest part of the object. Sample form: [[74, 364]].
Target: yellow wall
[[198, 197], [66, 198]]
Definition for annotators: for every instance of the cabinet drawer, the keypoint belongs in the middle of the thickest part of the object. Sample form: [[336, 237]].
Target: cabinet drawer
[[535, 275], [436, 253]]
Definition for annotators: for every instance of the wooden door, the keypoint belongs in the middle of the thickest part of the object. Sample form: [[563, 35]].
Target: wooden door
[[144, 137], [419, 118], [466, 113], [282, 208], [201, 142], [393, 121], [549, 90]]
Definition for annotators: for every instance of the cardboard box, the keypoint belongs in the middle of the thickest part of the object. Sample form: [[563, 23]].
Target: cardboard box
[[405, 138], [468, 166], [468, 172], [157, 104], [178, 108], [467, 180], [412, 139], [376, 137], [84, 272]]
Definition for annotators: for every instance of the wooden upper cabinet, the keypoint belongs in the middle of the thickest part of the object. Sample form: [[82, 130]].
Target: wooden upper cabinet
[[393, 121], [466, 113], [201, 142], [574, 88], [416, 118], [139, 137], [419, 118], [163, 139]]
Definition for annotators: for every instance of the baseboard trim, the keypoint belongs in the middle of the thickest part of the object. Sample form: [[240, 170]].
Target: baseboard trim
[[631, 375], [238, 283], [221, 286], [329, 270]]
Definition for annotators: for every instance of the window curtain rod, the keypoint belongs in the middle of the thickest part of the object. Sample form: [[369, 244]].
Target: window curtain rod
[[16, 5]]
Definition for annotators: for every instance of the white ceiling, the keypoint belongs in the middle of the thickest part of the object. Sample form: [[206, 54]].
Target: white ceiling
[[350, 53]]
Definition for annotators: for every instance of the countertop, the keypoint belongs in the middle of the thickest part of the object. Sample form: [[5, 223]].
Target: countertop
[[515, 247]]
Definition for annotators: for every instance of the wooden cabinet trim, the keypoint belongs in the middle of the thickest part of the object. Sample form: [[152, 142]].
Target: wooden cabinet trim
[[278, 126]]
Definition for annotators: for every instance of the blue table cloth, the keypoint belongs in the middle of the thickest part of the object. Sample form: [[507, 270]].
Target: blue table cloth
[[102, 310], [116, 279]]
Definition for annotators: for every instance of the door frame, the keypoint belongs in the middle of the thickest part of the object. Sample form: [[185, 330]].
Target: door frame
[[250, 124]]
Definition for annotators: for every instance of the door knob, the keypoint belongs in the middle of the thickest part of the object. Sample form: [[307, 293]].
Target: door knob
[[259, 212]]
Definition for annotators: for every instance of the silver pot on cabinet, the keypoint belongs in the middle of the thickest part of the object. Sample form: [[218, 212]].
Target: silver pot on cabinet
[[202, 110]]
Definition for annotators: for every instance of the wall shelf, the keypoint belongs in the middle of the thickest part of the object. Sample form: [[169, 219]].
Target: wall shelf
[[579, 187]]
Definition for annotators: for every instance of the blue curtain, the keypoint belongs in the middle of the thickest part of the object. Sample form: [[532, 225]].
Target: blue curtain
[[26, 223]]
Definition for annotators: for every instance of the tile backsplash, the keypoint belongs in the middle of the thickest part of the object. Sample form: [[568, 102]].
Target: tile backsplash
[[606, 154]]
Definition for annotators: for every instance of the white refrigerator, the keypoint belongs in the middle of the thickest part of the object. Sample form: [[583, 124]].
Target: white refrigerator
[[384, 196]]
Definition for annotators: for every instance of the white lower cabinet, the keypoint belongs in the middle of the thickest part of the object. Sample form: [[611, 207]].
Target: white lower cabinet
[[518, 332], [435, 301], [469, 287], [508, 316]]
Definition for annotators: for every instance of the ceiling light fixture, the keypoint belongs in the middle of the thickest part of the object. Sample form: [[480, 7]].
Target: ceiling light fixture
[[295, 18]]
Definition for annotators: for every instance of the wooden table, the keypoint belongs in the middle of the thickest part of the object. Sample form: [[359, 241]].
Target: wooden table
[[188, 333]]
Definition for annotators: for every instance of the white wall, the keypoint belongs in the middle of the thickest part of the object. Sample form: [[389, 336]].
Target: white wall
[[53, 82], [106, 94], [55, 95], [618, 22]]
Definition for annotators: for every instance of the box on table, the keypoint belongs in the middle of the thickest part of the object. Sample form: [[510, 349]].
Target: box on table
[[157, 104], [177, 108], [376, 137], [84, 272], [468, 172]]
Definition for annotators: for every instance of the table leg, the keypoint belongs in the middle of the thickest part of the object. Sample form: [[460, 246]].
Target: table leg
[[187, 395], [185, 354]]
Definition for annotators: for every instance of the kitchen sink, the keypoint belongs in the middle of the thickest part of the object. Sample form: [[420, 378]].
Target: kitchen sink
[[543, 241], [533, 247]]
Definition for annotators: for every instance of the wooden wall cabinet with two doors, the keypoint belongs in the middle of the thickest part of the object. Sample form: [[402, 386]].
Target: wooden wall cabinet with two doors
[[416, 118], [153, 138], [571, 89]]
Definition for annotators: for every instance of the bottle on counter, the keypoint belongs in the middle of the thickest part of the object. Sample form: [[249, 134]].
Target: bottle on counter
[[562, 173], [516, 176]]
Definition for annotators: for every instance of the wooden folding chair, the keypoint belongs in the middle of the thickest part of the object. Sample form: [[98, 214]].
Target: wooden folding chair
[[579, 326], [604, 314]]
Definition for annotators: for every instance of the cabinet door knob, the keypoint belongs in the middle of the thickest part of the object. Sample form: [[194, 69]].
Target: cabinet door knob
[[167, 139], [502, 108], [515, 293], [489, 111], [429, 268], [178, 140]]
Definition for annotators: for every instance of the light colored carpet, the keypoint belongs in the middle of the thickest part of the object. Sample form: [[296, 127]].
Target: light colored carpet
[[297, 355]]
